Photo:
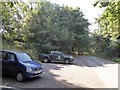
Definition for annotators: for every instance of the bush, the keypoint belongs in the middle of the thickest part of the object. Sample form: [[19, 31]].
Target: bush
[[116, 59], [19, 46]]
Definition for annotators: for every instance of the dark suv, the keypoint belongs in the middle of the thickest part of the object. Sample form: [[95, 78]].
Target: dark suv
[[19, 64], [56, 56]]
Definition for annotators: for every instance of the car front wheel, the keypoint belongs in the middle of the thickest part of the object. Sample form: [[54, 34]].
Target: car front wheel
[[20, 77], [46, 60], [67, 61]]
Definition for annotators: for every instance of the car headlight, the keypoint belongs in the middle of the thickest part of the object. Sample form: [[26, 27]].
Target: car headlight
[[42, 66], [71, 57], [28, 69]]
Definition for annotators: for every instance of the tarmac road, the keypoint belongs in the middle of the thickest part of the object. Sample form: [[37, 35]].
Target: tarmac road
[[84, 72]]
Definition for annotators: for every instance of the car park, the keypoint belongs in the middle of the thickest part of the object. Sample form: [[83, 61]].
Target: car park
[[56, 56], [19, 64]]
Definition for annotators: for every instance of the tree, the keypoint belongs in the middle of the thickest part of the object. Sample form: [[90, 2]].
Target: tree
[[58, 27], [44, 26], [14, 17], [109, 23]]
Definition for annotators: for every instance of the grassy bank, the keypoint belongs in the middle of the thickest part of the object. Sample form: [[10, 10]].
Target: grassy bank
[[11, 46]]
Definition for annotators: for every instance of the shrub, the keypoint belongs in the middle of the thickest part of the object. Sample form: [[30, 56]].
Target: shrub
[[116, 59]]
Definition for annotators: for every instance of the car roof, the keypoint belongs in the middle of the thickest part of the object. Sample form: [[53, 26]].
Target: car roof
[[55, 52], [11, 51]]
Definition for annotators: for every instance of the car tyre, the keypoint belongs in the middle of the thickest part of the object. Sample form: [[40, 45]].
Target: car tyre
[[20, 77], [45, 60], [67, 61]]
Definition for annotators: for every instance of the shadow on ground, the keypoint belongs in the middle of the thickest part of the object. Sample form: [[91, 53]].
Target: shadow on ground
[[47, 80]]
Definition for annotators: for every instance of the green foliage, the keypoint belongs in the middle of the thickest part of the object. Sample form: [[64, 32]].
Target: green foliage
[[12, 20], [116, 60], [109, 20], [108, 43], [57, 27], [102, 46], [17, 46], [42, 26]]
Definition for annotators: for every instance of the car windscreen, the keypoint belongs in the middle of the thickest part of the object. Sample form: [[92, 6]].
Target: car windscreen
[[23, 57]]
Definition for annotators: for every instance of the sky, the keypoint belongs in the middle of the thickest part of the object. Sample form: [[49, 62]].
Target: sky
[[87, 8]]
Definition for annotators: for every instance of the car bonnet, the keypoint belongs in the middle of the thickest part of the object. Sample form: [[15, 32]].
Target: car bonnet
[[31, 64]]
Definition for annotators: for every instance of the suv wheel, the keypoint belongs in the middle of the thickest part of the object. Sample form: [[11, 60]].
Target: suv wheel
[[20, 77], [67, 61], [45, 60]]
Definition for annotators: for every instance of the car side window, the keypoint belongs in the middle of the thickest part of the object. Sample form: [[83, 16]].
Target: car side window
[[10, 56], [56, 53]]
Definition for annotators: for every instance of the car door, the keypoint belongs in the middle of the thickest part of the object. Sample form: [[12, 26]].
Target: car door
[[53, 56], [10, 64], [57, 56]]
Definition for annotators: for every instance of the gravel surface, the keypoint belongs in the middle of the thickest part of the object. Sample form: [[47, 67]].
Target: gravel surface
[[84, 72]]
